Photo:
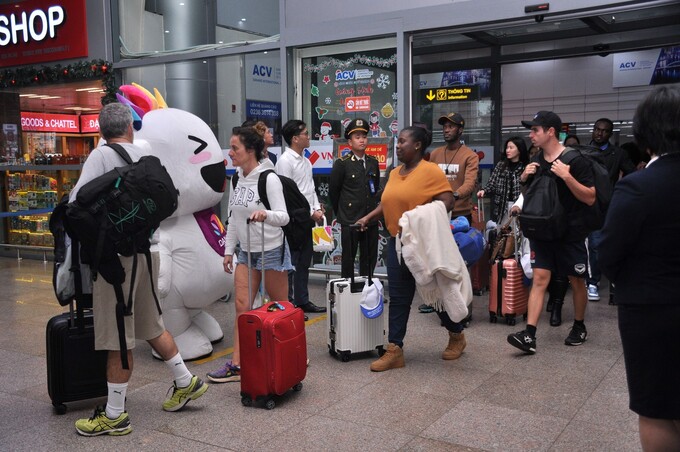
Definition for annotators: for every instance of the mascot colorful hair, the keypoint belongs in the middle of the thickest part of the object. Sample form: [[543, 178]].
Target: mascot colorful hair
[[191, 241]]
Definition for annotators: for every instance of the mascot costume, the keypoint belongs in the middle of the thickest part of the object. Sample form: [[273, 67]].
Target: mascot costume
[[191, 241]]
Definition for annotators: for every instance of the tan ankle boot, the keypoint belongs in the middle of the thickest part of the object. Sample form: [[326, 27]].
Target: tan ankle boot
[[456, 346], [392, 359]]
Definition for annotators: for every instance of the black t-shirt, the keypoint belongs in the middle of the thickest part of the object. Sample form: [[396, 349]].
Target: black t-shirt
[[579, 168]]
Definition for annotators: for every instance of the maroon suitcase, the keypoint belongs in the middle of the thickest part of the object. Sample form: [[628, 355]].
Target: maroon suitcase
[[508, 296], [273, 348], [479, 272]]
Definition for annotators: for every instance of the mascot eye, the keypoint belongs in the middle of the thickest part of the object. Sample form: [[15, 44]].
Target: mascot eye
[[201, 144]]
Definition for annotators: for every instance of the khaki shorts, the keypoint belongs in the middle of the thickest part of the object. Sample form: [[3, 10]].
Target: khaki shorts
[[145, 322]]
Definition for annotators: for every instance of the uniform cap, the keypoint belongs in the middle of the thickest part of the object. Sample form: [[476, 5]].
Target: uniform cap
[[356, 125]]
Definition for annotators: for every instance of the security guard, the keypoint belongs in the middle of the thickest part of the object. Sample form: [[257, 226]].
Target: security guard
[[354, 191]]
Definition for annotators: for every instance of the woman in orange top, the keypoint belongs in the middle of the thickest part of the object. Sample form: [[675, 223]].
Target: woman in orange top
[[413, 183]]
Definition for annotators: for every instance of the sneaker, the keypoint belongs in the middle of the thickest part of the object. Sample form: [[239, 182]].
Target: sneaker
[[577, 335], [181, 396], [225, 374], [523, 341], [425, 308], [99, 424], [593, 294]]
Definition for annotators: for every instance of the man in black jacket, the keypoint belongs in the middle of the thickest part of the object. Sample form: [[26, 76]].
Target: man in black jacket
[[617, 162], [354, 191]]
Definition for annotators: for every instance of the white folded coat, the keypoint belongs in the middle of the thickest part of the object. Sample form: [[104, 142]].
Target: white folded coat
[[432, 256]]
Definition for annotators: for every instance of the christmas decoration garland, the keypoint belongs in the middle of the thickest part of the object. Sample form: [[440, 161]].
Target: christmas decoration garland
[[82, 70], [356, 59]]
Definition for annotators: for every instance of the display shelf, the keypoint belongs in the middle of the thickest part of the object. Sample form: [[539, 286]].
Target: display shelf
[[26, 213]]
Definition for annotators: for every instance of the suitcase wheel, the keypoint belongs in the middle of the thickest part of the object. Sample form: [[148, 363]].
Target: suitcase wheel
[[332, 352], [381, 350], [510, 320], [478, 292], [344, 356], [492, 317], [297, 387], [246, 401], [525, 316], [270, 404], [59, 408]]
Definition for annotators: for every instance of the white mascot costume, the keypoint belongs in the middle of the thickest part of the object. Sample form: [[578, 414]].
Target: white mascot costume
[[191, 241]]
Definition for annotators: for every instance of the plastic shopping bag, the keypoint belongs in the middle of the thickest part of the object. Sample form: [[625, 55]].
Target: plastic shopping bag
[[322, 236]]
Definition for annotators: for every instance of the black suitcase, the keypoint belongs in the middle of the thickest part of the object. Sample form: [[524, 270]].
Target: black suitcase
[[75, 371]]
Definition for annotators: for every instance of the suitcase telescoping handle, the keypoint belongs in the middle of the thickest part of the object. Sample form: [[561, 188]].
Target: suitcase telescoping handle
[[355, 231], [250, 270], [514, 227], [480, 210]]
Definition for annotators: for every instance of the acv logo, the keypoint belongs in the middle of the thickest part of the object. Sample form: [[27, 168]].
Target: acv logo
[[345, 75]]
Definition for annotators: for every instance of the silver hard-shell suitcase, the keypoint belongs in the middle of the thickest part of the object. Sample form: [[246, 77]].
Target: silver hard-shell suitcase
[[349, 331]]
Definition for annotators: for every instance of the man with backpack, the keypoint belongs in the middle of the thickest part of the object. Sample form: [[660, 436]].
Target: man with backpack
[[558, 243], [294, 165], [617, 163], [116, 127]]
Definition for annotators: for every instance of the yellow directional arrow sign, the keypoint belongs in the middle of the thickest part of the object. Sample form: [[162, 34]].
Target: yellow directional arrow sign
[[430, 96]]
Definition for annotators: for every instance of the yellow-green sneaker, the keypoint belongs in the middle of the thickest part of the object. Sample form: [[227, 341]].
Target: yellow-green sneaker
[[181, 396], [99, 424]]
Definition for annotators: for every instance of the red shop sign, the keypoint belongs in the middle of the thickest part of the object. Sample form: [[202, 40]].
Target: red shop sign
[[46, 122], [32, 31], [89, 123]]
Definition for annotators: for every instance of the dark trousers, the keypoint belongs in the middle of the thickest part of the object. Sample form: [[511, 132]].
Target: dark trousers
[[298, 280], [402, 288], [367, 244]]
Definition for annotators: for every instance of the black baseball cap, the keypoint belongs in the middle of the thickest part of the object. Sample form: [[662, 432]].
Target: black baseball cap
[[356, 125], [545, 119], [455, 118]]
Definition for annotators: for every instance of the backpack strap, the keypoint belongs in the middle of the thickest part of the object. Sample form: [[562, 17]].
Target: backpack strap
[[234, 180], [120, 150], [262, 188], [120, 323]]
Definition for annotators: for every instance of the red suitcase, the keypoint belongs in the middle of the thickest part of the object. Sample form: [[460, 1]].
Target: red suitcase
[[273, 348], [273, 352], [479, 272], [508, 296]]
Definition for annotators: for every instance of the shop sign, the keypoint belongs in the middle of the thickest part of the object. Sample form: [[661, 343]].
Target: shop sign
[[89, 123], [46, 122], [361, 103], [32, 31]]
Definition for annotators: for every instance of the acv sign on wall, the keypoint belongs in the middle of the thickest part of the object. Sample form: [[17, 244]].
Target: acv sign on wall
[[33, 31]]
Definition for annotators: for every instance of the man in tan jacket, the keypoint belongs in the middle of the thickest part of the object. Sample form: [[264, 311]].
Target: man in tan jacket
[[459, 163]]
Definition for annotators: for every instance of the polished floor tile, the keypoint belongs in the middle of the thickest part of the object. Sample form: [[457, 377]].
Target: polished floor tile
[[492, 398]]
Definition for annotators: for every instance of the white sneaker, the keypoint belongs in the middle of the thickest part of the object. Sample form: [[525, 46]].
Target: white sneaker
[[593, 294]]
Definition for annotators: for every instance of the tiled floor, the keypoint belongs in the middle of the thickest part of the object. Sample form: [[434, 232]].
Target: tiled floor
[[492, 398]]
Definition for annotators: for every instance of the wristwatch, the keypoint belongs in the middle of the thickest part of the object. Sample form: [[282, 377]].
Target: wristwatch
[[456, 195]]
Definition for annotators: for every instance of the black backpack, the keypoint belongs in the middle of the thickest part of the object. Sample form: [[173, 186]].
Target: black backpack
[[592, 217], [542, 216], [299, 228], [117, 213]]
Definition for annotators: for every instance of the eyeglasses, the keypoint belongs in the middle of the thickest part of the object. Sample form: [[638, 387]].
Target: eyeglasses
[[304, 132]]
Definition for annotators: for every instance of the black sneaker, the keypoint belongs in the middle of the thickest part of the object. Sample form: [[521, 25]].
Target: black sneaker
[[523, 341], [577, 335], [425, 308]]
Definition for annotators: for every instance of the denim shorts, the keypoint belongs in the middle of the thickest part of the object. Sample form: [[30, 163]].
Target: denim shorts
[[276, 259]]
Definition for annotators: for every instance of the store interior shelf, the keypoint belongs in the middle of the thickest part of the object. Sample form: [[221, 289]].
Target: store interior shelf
[[22, 213], [77, 166]]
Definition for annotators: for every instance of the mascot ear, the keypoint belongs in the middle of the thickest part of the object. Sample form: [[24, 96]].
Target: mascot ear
[[159, 99], [137, 113], [137, 97], [154, 104]]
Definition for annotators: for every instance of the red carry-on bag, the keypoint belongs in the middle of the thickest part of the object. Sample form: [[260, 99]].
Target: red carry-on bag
[[508, 296], [273, 347]]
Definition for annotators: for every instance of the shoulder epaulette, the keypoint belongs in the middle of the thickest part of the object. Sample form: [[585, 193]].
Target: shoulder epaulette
[[368, 156], [349, 155]]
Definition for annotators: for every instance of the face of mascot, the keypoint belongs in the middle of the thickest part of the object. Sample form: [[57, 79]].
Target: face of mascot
[[190, 152]]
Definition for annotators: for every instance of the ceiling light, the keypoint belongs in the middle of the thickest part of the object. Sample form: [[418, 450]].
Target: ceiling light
[[243, 19], [167, 31], [181, 3], [220, 42]]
